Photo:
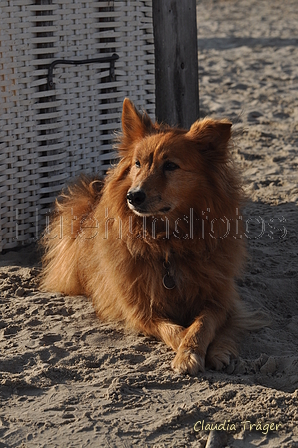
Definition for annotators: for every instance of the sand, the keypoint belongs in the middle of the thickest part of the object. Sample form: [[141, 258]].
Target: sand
[[67, 380]]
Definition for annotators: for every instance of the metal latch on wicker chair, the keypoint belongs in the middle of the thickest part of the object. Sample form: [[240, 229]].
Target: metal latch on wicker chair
[[110, 59]]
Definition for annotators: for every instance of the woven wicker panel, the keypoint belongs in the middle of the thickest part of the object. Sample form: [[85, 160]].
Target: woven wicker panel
[[49, 135], [18, 137], [136, 51]]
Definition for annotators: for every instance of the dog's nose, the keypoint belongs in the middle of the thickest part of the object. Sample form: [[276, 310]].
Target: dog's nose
[[136, 197]]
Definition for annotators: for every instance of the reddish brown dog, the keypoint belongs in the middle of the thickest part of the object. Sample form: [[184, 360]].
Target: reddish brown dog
[[158, 245]]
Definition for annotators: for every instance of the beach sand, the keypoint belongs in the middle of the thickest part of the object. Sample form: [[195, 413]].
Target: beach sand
[[68, 380]]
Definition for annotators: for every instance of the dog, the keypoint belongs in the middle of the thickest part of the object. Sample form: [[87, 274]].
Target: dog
[[158, 244]]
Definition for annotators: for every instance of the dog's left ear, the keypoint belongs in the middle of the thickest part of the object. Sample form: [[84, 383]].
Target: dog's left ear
[[211, 134], [134, 124]]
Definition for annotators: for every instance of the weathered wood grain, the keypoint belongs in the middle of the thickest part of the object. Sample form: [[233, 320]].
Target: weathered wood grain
[[176, 61]]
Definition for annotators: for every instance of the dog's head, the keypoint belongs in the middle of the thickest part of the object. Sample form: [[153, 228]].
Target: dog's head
[[171, 169]]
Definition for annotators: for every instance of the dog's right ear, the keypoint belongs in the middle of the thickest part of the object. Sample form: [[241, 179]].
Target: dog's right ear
[[135, 125]]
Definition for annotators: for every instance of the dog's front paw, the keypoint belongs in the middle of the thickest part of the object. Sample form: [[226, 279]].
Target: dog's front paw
[[188, 362], [218, 361]]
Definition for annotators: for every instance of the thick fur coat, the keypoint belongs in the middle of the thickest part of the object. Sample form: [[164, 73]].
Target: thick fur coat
[[158, 244]]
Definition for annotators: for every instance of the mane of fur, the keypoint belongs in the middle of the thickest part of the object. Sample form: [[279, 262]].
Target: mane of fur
[[96, 246], [93, 230]]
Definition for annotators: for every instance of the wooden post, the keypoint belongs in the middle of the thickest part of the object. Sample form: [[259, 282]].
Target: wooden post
[[176, 62]]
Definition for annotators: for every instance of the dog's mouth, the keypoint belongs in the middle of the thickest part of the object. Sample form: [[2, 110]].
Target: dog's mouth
[[142, 205], [146, 211], [165, 209]]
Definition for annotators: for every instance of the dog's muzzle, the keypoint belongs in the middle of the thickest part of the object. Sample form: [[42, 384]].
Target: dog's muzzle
[[136, 197]]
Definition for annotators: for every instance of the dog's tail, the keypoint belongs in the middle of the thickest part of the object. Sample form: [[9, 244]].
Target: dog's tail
[[61, 237]]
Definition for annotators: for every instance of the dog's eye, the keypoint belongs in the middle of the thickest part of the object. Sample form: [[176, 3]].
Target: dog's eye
[[137, 163], [170, 166]]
